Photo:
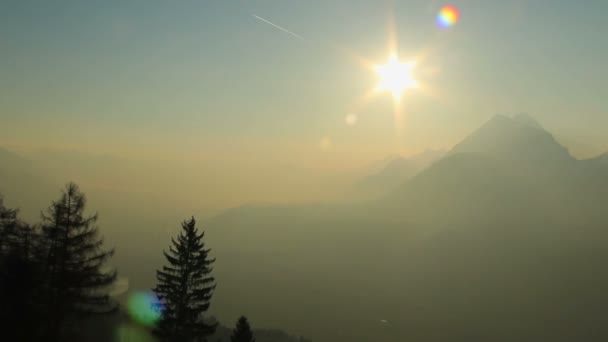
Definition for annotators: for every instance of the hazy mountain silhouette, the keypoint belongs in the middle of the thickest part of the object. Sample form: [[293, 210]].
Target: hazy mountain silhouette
[[497, 241], [23, 184], [513, 139], [504, 238], [396, 172], [601, 159], [11, 166]]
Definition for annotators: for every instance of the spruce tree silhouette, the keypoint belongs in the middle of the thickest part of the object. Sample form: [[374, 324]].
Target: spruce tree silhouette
[[75, 283], [185, 288], [242, 331]]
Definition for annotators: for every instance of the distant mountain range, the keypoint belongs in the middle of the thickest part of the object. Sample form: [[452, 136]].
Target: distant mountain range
[[520, 138], [504, 238], [396, 172], [602, 159], [23, 183]]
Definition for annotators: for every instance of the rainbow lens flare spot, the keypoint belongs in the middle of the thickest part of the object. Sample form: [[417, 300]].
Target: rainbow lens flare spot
[[144, 308], [448, 16]]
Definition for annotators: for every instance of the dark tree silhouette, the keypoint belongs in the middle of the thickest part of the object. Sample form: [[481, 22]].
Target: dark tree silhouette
[[75, 282], [242, 331], [8, 227], [20, 312], [20, 275], [185, 288]]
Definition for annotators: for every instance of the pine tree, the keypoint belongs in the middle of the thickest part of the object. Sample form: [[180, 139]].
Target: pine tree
[[74, 280], [242, 331], [8, 227], [185, 288]]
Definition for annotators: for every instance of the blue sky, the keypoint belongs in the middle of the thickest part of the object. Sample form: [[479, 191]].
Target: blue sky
[[202, 75]]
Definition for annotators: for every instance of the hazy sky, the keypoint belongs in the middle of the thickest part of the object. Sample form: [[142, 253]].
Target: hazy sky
[[177, 79]]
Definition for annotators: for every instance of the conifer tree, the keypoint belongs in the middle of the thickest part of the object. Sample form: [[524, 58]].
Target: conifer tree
[[242, 331], [19, 277], [185, 288], [8, 227], [75, 282]]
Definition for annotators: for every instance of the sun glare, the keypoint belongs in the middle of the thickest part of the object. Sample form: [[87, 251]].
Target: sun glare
[[396, 76]]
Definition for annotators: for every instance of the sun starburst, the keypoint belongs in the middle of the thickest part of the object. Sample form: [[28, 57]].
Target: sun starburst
[[396, 76]]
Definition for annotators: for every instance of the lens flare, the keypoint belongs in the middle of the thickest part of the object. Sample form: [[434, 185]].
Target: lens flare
[[448, 16], [351, 119], [144, 308], [325, 143]]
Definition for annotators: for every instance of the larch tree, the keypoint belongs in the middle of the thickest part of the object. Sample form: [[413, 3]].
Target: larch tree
[[242, 332], [185, 288], [76, 282]]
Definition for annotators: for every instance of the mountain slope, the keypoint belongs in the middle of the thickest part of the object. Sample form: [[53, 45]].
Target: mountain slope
[[514, 139], [502, 240], [396, 172], [23, 185], [601, 159]]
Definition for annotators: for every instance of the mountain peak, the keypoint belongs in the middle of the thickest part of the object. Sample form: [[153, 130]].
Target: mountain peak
[[602, 158], [513, 138], [526, 119], [8, 158]]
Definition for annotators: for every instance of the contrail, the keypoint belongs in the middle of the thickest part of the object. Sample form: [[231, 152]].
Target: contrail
[[322, 44], [279, 27]]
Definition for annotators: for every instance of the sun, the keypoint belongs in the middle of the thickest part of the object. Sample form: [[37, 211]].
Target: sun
[[396, 76]]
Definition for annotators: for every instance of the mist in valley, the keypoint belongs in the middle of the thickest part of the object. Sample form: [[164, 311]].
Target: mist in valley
[[234, 172]]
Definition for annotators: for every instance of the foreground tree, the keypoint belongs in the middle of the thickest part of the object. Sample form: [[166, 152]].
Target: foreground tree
[[185, 288], [75, 282], [242, 331], [8, 227], [20, 276]]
